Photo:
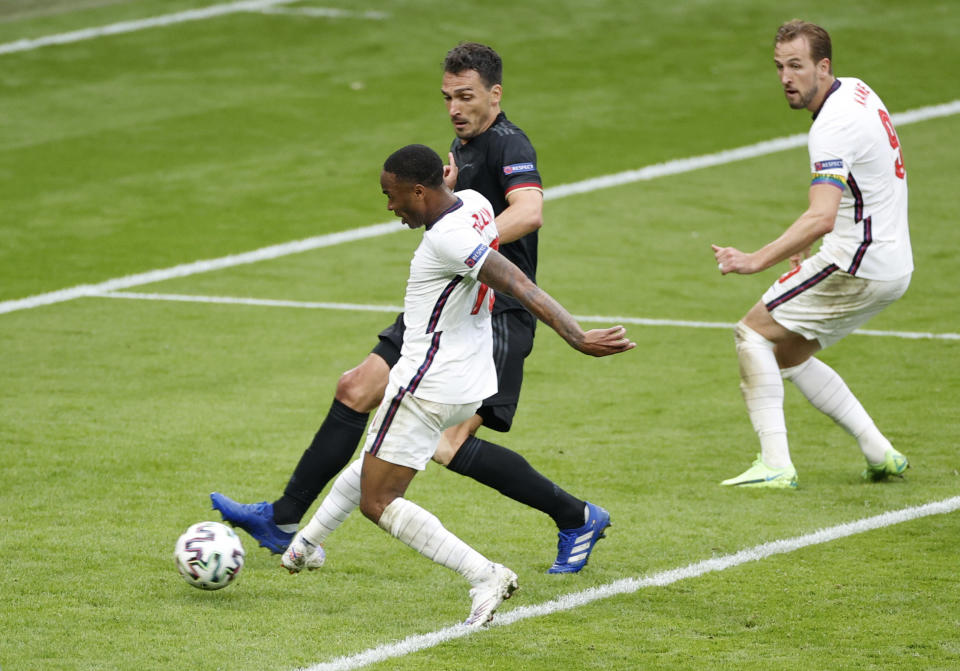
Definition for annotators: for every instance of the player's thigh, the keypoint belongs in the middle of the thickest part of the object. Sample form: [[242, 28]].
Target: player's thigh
[[821, 302], [361, 388], [406, 429], [451, 439], [760, 320]]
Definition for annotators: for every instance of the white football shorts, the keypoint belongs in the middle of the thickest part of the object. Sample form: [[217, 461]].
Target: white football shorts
[[821, 302], [406, 429]]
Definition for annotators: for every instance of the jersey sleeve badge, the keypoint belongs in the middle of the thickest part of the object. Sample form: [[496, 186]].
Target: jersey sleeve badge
[[518, 167], [476, 255]]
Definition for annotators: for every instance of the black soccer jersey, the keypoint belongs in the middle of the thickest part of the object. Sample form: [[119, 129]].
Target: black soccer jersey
[[496, 162]]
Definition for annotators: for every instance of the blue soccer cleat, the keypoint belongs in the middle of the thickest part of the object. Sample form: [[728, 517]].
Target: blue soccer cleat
[[575, 545], [254, 518]]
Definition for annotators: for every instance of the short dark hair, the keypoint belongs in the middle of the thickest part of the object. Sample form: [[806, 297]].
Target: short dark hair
[[416, 163], [818, 39], [475, 56]]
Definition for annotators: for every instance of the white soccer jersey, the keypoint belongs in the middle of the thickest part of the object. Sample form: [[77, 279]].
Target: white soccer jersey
[[447, 353], [854, 146]]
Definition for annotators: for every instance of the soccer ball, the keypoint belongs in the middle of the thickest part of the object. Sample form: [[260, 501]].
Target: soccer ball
[[209, 555]]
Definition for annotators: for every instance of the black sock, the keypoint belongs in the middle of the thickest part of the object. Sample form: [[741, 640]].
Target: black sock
[[330, 451], [511, 475]]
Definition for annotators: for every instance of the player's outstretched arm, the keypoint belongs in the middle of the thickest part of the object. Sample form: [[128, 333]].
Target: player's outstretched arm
[[502, 275], [812, 225]]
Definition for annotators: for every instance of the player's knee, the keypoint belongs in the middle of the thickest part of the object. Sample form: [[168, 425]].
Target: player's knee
[[361, 388], [743, 335], [453, 438], [348, 388], [445, 451], [372, 507]]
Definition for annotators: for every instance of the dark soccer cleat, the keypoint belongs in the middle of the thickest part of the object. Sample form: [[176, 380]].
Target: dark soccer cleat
[[254, 518], [575, 545]]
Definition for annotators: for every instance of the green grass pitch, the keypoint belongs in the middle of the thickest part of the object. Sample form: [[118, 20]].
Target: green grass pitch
[[157, 147]]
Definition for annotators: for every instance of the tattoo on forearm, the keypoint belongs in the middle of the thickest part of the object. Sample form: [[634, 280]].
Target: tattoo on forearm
[[505, 277], [551, 313]]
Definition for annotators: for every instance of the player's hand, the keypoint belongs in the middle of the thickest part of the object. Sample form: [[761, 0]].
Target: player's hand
[[732, 260], [604, 342], [450, 172], [799, 257]]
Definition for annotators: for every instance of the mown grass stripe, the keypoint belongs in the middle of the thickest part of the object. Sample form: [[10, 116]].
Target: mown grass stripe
[[561, 191], [366, 307], [573, 600], [122, 27]]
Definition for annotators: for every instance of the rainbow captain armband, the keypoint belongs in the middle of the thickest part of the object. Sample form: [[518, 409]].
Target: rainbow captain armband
[[827, 178]]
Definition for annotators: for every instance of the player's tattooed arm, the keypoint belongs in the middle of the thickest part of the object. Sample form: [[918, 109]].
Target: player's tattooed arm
[[502, 275]]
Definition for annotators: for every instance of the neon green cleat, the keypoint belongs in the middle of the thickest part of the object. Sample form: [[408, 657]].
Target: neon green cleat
[[761, 475], [893, 463]]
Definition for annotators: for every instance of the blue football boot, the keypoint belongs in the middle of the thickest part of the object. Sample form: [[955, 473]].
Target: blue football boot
[[575, 545], [254, 518]]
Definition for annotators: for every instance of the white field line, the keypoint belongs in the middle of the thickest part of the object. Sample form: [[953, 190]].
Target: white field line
[[260, 302], [365, 307], [196, 267], [326, 13], [679, 166], [140, 24], [274, 251], [573, 600]]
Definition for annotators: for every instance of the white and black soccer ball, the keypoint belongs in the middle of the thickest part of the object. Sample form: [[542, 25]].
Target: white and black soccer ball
[[209, 555]]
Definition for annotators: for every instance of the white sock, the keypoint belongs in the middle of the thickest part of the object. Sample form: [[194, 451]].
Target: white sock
[[343, 499], [762, 389], [421, 530], [829, 394]]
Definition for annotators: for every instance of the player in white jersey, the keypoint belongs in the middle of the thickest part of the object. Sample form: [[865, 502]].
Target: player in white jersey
[[439, 294], [858, 206], [446, 367], [854, 147]]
